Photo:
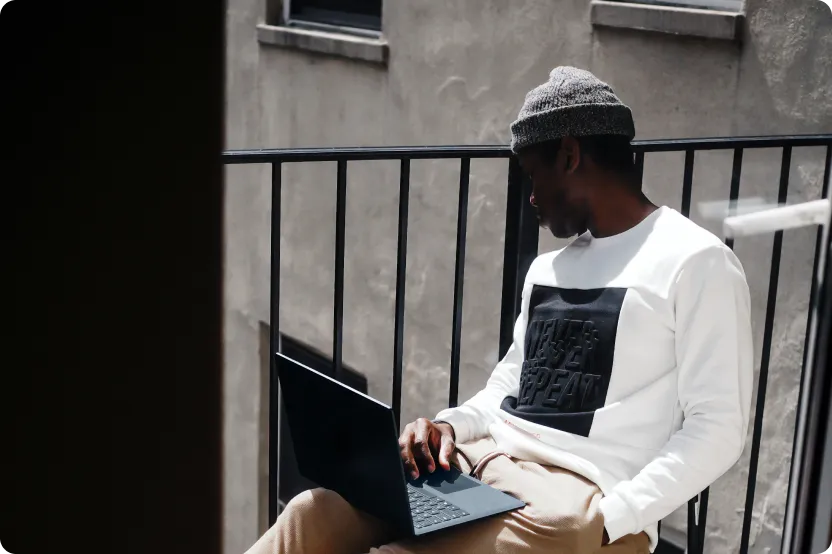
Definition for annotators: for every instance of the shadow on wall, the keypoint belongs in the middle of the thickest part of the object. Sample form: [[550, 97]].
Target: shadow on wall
[[291, 481]]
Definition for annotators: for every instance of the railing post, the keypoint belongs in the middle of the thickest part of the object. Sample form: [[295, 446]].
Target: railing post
[[459, 278], [401, 277], [687, 183], [520, 249], [274, 344], [639, 160], [736, 174], [338, 311], [694, 545]]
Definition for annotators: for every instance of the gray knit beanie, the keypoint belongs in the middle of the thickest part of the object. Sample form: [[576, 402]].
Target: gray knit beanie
[[572, 103]]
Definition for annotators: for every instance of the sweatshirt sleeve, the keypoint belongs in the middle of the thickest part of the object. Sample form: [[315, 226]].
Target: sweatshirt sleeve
[[714, 357], [472, 419]]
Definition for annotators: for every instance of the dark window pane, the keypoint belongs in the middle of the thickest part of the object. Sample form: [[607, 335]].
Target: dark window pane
[[350, 13], [366, 7]]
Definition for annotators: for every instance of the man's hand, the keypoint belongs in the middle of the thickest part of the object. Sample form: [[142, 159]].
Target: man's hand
[[423, 443]]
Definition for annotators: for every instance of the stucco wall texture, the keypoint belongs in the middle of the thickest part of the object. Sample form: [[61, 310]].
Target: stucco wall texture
[[457, 74]]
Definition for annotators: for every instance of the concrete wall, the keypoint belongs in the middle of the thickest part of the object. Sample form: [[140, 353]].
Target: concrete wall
[[457, 74]]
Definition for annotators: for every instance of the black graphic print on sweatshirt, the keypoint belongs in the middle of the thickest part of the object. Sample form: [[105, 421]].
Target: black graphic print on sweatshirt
[[568, 355]]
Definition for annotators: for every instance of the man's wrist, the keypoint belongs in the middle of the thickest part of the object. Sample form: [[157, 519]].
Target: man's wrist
[[442, 422]]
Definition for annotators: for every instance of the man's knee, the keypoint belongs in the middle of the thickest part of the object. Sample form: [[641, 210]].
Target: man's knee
[[296, 530], [312, 504]]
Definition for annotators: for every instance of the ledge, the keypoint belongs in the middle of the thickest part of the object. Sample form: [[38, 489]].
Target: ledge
[[667, 19], [368, 49]]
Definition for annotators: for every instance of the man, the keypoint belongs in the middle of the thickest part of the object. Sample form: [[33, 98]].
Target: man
[[627, 389]]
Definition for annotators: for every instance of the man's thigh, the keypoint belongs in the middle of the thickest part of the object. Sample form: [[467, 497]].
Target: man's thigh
[[561, 513]]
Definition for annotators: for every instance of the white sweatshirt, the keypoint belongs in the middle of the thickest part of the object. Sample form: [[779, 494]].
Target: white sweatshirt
[[631, 365]]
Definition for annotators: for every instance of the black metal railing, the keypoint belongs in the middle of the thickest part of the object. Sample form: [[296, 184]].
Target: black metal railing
[[520, 249]]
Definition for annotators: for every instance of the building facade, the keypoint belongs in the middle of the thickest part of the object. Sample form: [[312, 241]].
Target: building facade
[[456, 72]]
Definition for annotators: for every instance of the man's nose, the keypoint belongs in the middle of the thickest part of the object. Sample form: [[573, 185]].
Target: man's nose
[[531, 200]]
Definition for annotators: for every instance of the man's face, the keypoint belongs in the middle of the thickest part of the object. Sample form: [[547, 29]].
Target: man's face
[[557, 196]]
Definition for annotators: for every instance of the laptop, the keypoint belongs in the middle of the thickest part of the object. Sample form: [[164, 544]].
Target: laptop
[[347, 442]]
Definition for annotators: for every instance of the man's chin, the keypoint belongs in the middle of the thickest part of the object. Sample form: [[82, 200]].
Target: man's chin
[[557, 231], [560, 233]]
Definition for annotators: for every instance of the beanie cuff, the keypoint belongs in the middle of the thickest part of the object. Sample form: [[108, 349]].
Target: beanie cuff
[[578, 120]]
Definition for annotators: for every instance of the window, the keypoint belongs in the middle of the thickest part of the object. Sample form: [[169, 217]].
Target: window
[[352, 14], [341, 28], [721, 5]]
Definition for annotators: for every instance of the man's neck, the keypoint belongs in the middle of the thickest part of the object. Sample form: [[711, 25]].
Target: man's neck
[[619, 211]]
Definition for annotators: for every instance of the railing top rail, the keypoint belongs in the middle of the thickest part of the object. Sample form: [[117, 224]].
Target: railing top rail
[[501, 151], [363, 153], [730, 143]]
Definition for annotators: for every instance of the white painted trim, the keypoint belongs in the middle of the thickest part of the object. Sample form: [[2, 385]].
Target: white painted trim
[[724, 5], [373, 50], [674, 20], [778, 219]]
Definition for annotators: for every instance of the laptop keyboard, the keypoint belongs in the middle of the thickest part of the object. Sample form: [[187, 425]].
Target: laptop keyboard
[[428, 509]]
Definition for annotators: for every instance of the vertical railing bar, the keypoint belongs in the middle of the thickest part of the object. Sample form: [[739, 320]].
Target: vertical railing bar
[[703, 517], [736, 174], [521, 237], [459, 277], [827, 167], [687, 186], [338, 310], [797, 446], [640, 166], [274, 344], [771, 305], [687, 183], [692, 535], [401, 272], [511, 255], [528, 240]]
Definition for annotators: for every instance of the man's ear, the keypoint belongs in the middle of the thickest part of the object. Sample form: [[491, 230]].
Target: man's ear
[[572, 151]]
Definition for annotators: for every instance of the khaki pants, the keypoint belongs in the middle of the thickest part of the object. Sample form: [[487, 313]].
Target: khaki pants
[[560, 517]]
